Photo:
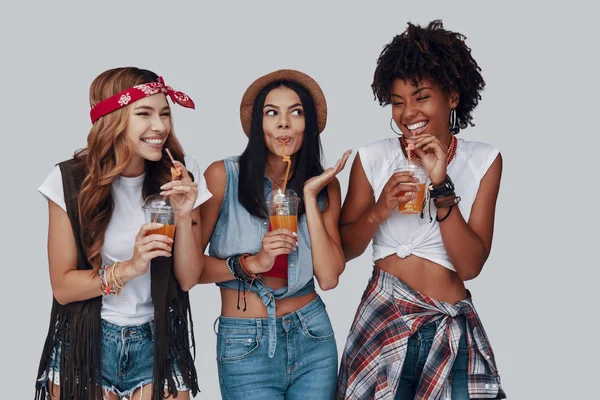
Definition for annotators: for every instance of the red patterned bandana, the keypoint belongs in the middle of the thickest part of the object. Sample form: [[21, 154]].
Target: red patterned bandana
[[136, 93]]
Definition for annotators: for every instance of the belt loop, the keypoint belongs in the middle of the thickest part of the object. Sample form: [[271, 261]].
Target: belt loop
[[151, 323], [300, 317], [215, 326], [258, 328]]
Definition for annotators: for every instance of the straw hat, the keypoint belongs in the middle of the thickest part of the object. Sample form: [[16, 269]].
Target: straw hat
[[283, 75]]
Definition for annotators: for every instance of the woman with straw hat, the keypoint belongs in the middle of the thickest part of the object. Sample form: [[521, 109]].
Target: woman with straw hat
[[275, 339]]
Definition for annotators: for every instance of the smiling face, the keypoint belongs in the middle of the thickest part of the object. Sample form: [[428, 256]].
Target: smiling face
[[148, 126], [422, 109], [283, 121]]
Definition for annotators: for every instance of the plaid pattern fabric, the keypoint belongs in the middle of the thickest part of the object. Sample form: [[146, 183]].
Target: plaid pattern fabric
[[389, 313]]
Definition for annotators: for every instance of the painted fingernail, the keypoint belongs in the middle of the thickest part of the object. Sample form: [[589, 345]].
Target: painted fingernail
[[164, 186], [294, 233], [297, 244]]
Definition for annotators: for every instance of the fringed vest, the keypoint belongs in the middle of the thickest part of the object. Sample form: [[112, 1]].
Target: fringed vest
[[79, 324]]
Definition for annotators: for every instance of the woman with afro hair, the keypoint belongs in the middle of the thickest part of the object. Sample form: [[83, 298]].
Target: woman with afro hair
[[416, 334]]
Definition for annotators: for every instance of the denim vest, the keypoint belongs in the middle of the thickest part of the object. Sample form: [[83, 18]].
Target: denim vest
[[237, 232]]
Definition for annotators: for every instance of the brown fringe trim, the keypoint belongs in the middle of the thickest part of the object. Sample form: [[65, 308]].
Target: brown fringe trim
[[81, 363], [172, 333]]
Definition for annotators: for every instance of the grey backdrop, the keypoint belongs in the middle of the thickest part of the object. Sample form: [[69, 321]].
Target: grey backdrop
[[540, 64]]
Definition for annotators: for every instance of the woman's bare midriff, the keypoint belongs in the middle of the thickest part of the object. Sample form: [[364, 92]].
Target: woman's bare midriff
[[254, 305], [426, 277]]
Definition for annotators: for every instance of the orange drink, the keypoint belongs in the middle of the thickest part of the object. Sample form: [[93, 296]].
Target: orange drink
[[284, 221], [414, 206], [167, 230]]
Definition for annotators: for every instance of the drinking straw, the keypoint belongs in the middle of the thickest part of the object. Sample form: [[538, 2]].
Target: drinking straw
[[288, 160], [170, 156], [178, 172]]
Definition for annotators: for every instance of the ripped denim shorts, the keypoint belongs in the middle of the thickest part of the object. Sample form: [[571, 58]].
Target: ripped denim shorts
[[127, 359]]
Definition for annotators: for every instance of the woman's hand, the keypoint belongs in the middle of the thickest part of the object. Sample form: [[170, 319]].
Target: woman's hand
[[274, 243], [314, 185], [400, 188], [147, 247], [433, 155], [182, 193]]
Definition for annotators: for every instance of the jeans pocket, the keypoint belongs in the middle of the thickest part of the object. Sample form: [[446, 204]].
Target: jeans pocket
[[236, 346], [319, 327]]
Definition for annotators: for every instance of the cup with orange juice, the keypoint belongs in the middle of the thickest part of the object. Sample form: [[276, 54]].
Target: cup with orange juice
[[158, 209], [283, 209], [414, 206]]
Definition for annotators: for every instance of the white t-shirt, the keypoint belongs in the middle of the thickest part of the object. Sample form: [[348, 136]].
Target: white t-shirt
[[405, 234], [134, 305]]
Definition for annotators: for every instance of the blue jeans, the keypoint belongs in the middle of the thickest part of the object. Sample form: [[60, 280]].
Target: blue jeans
[[305, 362], [418, 348]]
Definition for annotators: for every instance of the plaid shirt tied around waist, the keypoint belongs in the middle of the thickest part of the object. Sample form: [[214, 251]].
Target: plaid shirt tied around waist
[[389, 313]]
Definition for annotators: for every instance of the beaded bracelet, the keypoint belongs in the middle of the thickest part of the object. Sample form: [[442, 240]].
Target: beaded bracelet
[[229, 267]]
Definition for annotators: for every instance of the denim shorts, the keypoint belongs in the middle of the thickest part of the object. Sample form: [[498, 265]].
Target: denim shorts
[[127, 359], [305, 362]]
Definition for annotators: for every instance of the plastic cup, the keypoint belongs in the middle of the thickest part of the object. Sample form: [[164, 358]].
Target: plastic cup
[[414, 206], [283, 210], [158, 209]]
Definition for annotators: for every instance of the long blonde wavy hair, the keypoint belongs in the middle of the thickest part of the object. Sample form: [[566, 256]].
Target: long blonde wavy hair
[[108, 153]]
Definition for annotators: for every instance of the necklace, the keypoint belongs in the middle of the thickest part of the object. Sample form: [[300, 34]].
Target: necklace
[[451, 149]]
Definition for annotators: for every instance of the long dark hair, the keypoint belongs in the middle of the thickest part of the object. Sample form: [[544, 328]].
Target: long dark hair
[[252, 162]]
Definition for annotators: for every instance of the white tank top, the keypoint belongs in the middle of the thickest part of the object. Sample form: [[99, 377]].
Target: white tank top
[[405, 234]]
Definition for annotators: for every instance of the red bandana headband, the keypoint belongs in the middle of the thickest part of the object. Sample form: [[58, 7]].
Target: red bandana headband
[[136, 93]]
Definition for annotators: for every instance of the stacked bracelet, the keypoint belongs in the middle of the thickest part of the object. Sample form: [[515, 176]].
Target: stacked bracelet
[[111, 282], [114, 279], [444, 196], [104, 286], [443, 189], [236, 265]]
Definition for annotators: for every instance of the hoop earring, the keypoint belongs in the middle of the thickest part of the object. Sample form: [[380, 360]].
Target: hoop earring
[[453, 120], [392, 127]]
